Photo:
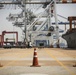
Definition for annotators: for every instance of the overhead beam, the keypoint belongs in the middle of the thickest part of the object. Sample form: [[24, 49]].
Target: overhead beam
[[35, 2]]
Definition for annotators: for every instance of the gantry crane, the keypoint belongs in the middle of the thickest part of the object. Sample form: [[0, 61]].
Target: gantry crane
[[50, 8]]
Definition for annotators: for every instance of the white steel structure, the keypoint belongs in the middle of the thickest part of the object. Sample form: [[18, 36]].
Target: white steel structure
[[40, 32], [51, 11]]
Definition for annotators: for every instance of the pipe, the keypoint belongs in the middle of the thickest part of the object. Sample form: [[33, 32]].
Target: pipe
[[16, 38], [70, 25], [34, 2]]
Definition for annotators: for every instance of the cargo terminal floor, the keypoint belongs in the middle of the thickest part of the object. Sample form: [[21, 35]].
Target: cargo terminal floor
[[53, 61]]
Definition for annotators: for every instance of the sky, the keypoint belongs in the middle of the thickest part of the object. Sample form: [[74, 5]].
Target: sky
[[62, 9]]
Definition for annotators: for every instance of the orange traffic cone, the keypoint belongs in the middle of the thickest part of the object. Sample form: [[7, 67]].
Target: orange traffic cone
[[1, 65], [35, 59]]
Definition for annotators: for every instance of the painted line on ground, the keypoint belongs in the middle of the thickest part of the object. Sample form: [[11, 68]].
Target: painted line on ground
[[50, 54], [15, 60]]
